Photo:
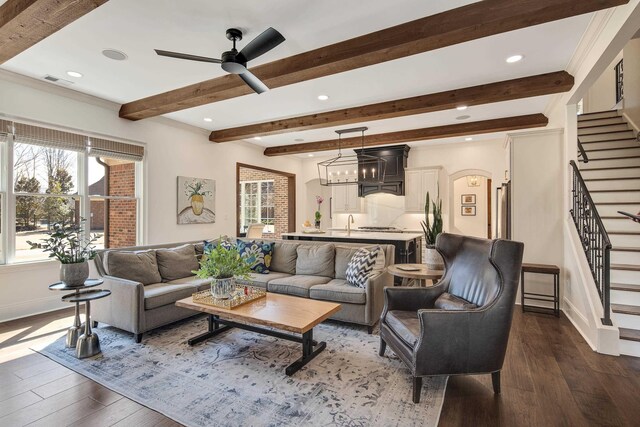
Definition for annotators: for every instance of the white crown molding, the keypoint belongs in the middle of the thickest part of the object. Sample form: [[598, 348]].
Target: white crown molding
[[552, 131], [90, 99]]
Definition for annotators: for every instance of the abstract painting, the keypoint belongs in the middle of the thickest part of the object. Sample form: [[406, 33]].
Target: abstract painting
[[196, 200]]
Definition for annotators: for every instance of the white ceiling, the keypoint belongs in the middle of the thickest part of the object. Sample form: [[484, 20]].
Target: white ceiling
[[198, 27]]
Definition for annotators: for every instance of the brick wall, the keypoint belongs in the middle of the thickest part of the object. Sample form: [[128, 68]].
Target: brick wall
[[281, 189], [122, 213]]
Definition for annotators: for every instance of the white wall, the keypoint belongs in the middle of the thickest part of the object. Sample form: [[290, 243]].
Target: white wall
[[602, 95], [171, 150], [632, 82], [470, 225], [388, 210]]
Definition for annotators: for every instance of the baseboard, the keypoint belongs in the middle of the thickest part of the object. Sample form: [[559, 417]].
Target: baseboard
[[578, 321], [31, 308]]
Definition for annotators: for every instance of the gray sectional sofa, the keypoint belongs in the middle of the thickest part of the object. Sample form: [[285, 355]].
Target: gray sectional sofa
[[146, 281]]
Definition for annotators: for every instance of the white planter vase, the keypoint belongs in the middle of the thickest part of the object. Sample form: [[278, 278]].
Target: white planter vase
[[433, 259], [223, 288], [74, 274]]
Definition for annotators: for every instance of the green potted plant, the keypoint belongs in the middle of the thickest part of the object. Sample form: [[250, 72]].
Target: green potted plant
[[432, 227], [69, 245], [196, 194], [223, 265]]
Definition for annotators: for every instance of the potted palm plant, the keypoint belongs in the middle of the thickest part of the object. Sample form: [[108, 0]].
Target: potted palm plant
[[69, 245], [432, 227], [223, 264]]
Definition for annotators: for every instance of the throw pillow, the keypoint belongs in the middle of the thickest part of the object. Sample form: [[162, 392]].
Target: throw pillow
[[138, 266], [257, 254], [345, 253], [316, 260], [284, 258], [177, 263], [446, 301], [361, 266]]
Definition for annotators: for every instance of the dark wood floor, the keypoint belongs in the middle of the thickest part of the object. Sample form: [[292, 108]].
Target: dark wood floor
[[551, 378]]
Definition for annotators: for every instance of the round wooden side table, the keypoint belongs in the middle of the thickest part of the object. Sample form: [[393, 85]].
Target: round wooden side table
[[88, 343], [412, 273], [74, 330]]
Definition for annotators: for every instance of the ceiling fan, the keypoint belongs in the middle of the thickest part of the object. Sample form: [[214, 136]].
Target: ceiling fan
[[235, 62]]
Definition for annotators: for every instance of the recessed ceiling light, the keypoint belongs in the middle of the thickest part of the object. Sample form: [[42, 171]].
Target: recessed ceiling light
[[208, 119], [298, 140], [116, 55], [310, 155], [515, 58], [465, 117], [74, 74], [323, 97], [257, 138], [461, 108], [468, 139]]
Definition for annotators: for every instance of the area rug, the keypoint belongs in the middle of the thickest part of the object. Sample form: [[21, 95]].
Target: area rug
[[237, 378]]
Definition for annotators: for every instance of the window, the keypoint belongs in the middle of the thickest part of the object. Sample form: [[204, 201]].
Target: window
[[61, 177], [257, 204]]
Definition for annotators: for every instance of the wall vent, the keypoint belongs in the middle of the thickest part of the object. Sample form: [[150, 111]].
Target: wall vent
[[58, 80]]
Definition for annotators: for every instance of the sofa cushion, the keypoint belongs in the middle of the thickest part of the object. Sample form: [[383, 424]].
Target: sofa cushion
[[195, 281], [261, 280], [446, 301], [284, 257], [339, 290], [344, 255], [176, 263], [298, 285], [316, 260], [361, 266], [257, 254], [161, 294], [138, 266], [405, 324]]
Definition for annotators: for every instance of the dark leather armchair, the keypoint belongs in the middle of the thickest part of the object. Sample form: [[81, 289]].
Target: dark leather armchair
[[461, 325]]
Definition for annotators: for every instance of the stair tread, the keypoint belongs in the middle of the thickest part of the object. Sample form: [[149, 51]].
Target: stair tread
[[608, 140], [625, 287], [624, 233], [595, 150], [626, 309], [603, 133], [614, 217], [623, 178], [609, 168], [593, 113], [613, 158], [602, 126], [626, 267], [625, 249], [624, 190], [617, 203], [629, 334]]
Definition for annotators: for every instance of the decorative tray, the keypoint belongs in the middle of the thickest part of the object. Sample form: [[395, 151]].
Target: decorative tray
[[238, 298]]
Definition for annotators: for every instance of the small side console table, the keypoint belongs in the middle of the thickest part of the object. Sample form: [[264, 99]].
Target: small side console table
[[553, 270], [81, 294], [88, 343]]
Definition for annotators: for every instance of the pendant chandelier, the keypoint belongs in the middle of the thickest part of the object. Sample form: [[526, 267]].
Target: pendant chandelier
[[352, 169]]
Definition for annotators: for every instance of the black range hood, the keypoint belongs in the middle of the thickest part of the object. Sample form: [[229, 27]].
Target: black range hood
[[396, 157]]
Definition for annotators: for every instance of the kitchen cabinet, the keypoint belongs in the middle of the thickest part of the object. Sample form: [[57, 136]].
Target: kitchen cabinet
[[418, 182], [345, 199]]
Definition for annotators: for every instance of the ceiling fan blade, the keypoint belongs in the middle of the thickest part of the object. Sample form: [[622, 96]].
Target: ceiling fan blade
[[262, 44], [253, 82], [179, 55]]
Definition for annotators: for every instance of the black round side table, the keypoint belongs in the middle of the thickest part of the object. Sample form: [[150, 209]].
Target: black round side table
[[88, 343], [74, 330]]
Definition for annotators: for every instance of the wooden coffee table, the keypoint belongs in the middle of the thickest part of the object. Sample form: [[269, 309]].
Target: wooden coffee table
[[414, 272], [291, 314]]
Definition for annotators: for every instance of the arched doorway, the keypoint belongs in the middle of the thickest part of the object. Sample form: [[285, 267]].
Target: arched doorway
[[470, 203]]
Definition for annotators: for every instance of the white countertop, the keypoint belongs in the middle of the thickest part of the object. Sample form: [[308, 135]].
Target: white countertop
[[358, 235], [399, 230]]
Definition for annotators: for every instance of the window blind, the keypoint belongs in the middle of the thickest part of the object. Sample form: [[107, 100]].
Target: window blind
[[45, 137], [36, 135], [115, 149]]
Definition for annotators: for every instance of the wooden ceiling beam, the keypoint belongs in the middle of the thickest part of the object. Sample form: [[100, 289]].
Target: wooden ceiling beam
[[526, 87], [424, 134], [24, 23], [463, 24]]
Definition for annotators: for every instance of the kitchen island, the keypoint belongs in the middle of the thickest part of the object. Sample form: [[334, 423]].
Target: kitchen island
[[408, 245]]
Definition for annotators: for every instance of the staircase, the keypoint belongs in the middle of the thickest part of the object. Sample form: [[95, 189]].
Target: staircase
[[610, 167]]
